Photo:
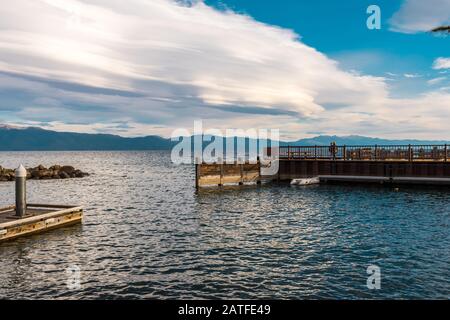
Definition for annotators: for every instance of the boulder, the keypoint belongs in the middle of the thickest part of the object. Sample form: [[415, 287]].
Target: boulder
[[35, 174], [79, 174], [67, 169], [41, 172], [45, 174], [63, 175]]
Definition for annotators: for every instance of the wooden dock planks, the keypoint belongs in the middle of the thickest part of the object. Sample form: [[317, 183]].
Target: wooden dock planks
[[39, 218], [220, 174]]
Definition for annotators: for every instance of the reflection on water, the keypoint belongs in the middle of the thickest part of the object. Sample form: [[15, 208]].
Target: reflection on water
[[148, 234]]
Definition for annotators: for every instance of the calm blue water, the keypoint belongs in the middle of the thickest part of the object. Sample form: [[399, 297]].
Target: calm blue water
[[148, 234]]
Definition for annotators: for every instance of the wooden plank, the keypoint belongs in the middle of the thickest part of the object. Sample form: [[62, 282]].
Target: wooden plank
[[56, 206], [227, 173], [236, 179], [251, 176], [6, 209], [42, 225], [38, 218], [209, 180]]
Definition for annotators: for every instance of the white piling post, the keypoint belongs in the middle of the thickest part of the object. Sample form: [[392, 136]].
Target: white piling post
[[21, 191]]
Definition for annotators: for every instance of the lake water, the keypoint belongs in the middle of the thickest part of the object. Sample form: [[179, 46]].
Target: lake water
[[148, 234]]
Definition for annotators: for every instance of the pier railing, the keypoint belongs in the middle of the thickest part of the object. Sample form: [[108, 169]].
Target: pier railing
[[367, 152]]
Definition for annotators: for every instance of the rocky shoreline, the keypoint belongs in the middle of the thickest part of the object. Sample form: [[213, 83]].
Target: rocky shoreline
[[42, 173]]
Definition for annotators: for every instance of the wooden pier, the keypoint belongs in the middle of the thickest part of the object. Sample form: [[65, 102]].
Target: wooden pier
[[393, 164], [401, 164], [38, 218], [219, 174]]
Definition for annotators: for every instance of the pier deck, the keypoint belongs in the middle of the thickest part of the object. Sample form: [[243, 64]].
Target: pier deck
[[38, 218], [394, 164], [386, 180], [399, 164]]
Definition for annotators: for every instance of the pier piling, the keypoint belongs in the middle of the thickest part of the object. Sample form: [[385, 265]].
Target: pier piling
[[21, 191]]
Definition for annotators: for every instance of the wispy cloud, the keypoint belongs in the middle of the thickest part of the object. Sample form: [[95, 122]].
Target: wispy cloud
[[419, 15], [412, 75], [176, 57], [441, 63], [156, 65], [436, 80]]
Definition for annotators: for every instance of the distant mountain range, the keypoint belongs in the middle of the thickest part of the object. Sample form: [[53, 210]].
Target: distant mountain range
[[355, 140], [37, 139]]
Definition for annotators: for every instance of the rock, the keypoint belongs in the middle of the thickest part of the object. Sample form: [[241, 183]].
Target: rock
[[79, 174], [35, 174], [44, 174], [41, 172], [67, 169], [63, 175]]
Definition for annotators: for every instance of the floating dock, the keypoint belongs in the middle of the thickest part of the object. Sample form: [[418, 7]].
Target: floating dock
[[25, 218], [37, 218]]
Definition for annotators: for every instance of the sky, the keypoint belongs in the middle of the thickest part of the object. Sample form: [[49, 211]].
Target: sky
[[145, 67]]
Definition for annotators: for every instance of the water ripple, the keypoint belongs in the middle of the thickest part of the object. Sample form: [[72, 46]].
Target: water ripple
[[148, 234]]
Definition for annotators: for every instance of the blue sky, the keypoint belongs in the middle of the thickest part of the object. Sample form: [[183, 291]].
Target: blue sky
[[150, 67], [338, 29]]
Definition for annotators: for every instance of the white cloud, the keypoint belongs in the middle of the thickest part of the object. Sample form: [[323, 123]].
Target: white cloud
[[221, 58], [180, 53], [436, 80], [441, 63], [419, 15], [146, 67], [412, 75], [422, 117]]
